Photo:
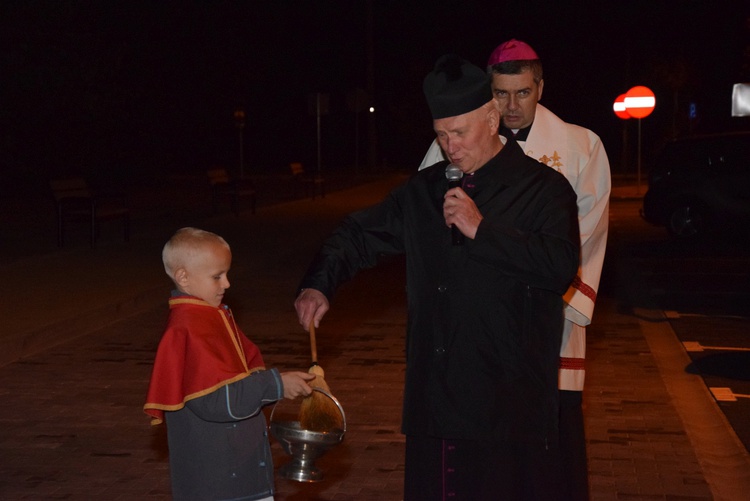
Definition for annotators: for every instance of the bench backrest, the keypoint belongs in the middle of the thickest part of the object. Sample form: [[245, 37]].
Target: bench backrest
[[297, 168], [218, 176], [70, 188]]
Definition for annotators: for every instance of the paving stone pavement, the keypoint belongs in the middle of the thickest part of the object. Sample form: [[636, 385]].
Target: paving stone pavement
[[72, 425]]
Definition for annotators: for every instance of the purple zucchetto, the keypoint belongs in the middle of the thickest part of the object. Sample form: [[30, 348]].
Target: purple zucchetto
[[512, 50]]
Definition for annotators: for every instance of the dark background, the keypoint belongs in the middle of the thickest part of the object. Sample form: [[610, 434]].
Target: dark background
[[126, 91]]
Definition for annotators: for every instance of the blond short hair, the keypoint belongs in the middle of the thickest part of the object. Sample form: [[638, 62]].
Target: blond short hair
[[185, 245]]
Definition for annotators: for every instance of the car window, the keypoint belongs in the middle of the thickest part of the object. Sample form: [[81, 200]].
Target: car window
[[684, 158], [730, 154], [703, 157]]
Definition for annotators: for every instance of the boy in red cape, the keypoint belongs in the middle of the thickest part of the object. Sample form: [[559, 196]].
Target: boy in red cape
[[209, 382]]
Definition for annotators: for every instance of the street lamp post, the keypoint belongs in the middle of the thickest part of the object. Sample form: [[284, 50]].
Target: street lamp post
[[239, 120]]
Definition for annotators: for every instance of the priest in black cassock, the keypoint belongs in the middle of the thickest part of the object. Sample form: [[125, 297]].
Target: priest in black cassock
[[486, 315]]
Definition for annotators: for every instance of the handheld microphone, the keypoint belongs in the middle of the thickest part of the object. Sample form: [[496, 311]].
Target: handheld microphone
[[454, 175]]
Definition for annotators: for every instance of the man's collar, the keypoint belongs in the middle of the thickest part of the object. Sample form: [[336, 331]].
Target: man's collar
[[519, 135]]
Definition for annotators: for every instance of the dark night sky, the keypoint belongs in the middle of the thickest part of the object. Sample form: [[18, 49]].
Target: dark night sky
[[133, 87]]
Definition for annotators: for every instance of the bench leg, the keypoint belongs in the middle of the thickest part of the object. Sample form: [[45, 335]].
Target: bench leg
[[93, 229], [126, 228], [60, 228]]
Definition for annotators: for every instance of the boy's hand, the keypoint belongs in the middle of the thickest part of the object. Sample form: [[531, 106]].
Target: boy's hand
[[295, 384], [311, 305]]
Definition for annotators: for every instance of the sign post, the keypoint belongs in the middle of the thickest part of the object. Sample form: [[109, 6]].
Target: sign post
[[639, 103], [619, 108], [239, 120], [318, 105]]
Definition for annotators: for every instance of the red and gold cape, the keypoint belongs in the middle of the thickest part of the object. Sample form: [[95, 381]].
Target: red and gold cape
[[201, 350]]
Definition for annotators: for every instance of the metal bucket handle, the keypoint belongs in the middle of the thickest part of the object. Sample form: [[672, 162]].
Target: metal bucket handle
[[324, 392]]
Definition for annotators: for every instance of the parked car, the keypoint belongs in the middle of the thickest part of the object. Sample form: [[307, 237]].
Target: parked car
[[700, 183]]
